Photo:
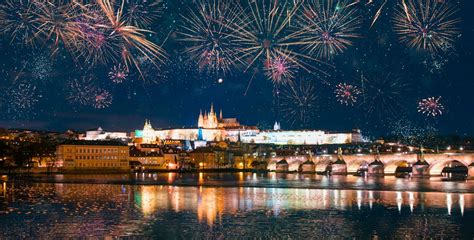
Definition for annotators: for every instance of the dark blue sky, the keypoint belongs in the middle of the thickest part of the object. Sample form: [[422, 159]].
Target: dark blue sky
[[182, 90]]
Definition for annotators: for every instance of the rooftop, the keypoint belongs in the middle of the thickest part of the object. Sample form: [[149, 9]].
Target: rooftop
[[93, 143]]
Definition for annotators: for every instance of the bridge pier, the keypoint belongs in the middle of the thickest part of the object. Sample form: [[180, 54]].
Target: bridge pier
[[376, 168], [339, 167], [420, 168], [308, 167], [282, 166]]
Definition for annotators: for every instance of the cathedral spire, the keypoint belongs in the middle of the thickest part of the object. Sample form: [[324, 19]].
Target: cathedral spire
[[200, 120], [220, 114], [212, 109]]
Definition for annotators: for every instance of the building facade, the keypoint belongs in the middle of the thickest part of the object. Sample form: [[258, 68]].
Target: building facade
[[93, 155]]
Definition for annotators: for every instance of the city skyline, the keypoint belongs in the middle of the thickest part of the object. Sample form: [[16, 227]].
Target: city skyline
[[45, 86]]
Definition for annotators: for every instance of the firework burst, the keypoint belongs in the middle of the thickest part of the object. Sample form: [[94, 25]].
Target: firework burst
[[328, 27], [431, 106], [81, 91], [142, 13], [23, 98], [102, 99], [18, 20], [55, 22], [264, 33], [298, 103], [118, 74], [280, 70], [207, 29], [426, 24], [347, 94], [105, 36], [382, 96], [131, 39], [94, 43]]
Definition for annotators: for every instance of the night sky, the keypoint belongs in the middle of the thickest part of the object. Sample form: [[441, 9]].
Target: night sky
[[172, 95]]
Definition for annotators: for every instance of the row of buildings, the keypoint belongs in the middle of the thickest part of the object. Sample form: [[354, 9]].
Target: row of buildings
[[211, 128], [115, 156]]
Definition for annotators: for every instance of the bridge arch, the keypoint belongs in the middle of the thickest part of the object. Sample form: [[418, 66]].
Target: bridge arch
[[322, 165], [391, 167], [437, 166], [355, 165]]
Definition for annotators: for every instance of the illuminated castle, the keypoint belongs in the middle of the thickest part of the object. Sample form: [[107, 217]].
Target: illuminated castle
[[211, 121], [211, 127]]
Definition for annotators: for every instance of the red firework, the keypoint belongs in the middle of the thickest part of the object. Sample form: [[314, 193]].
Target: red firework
[[431, 106], [347, 94]]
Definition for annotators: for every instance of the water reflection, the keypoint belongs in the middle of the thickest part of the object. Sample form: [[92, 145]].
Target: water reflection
[[128, 210], [292, 180]]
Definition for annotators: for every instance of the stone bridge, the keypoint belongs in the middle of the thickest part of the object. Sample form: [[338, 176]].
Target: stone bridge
[[437, 162]]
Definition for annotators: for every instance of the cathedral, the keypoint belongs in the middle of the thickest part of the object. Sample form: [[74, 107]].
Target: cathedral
[[211, 121]]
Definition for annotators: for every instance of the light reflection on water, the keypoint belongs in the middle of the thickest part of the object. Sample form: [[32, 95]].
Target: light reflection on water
[[266, 180], [46, 209]]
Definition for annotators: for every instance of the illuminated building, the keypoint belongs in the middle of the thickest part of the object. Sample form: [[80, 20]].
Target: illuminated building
[[301, 137], [216, 128], [210, 158], [93, 155], [100, 134], [210, 128], [149, 158]]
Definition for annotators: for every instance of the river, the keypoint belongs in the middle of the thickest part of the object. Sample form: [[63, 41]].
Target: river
[[235, 205]]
